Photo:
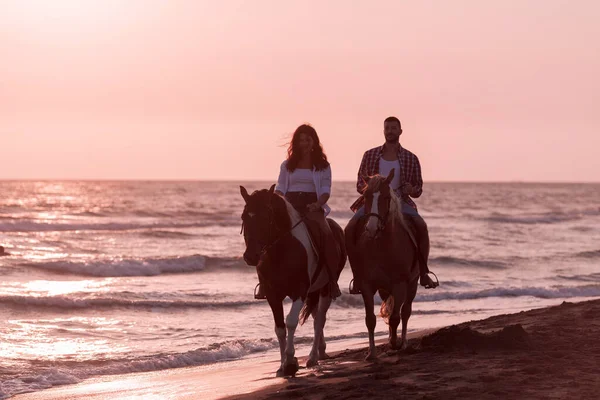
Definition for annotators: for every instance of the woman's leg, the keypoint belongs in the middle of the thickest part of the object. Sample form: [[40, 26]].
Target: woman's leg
[[328, 249]]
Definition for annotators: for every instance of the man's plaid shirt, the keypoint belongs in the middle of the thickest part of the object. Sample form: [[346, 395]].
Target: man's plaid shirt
[[410, 172]]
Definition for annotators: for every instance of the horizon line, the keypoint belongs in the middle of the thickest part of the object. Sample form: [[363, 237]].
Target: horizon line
[[518, 181]]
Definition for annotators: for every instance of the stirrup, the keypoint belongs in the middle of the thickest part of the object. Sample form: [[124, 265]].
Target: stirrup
[[435, 284], [352, 288], [257, 295]]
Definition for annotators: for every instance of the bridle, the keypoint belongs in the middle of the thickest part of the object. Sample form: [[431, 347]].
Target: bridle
[[382, 220], [272, 227]]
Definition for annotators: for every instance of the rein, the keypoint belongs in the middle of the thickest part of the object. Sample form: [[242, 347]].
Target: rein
[[382, 220], [273, 243], [267, 247]]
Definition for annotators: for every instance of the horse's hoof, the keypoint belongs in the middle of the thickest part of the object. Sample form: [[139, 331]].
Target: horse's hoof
[[312, 363], [394, 345], [371, 356], [279, 373], [324, 356], [291, 369]]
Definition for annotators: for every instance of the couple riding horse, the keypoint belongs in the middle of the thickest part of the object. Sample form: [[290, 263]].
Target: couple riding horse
[[287, 234]]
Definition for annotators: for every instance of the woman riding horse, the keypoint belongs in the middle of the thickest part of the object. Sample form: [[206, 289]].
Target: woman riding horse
[[305, 182]]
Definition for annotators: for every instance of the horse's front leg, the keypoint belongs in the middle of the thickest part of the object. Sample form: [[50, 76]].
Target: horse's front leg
[[399, 293], [318, 348], [370, 319], [407, 310], [277, 309], [290, 365]]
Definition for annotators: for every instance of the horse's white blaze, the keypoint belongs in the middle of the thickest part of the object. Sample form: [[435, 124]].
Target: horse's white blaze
[[300, 232], [373, 221]]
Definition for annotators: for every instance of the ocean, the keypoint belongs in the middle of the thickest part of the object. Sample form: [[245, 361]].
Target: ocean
[[121, 277]]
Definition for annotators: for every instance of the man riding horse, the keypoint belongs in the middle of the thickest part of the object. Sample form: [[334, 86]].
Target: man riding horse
[[407, 183]]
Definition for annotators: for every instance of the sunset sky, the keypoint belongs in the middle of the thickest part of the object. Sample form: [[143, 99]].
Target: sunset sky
[[172, 89]]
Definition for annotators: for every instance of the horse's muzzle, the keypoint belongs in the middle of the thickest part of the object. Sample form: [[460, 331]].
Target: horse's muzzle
[[251, 259]]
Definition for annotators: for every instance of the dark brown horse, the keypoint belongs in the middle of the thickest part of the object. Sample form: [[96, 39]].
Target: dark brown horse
[[278, 243], [383, 256]]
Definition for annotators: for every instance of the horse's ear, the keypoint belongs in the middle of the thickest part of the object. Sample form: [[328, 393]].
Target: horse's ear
[[272, 189], [244, 193], [390, 176]]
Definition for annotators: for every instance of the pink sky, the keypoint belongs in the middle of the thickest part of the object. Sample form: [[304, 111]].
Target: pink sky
[[173, 89]]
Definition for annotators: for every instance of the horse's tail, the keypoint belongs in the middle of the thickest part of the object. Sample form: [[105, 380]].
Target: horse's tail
[[311, 303], [387, 306]]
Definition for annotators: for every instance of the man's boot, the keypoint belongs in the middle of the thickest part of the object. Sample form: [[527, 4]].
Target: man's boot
[[423, 242]]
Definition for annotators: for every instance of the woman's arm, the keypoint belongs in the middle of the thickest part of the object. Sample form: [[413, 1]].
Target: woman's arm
[[282, 180], [325, 190]]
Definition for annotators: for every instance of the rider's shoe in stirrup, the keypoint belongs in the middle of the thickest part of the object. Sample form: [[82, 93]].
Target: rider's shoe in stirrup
[[353, 288], [429, 283], [259, 294]]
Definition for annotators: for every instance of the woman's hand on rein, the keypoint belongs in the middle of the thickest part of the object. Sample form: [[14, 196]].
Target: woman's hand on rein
[[316, 206]]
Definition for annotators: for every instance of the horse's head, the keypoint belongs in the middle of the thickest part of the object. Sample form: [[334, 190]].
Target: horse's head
[[377, 202], [262, 221]]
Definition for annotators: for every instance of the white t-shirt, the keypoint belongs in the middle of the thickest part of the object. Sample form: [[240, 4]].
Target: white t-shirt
[[301, 180], [384, 169]]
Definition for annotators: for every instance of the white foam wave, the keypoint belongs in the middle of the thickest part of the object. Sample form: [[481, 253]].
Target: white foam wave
[[127, 267], [29, 381], [33, 226], [67, 302], [539, 292]]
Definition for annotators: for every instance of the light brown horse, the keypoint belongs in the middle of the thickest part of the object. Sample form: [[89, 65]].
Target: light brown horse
[[384, 257]]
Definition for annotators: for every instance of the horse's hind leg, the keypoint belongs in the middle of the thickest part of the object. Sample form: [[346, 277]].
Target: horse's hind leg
[[399, 293], [370, 320], [290, 364], [318, 348], [407, 310], [322, 344]]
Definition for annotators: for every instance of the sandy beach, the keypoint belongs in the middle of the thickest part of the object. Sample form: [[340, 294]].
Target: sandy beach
[[545, 353], [540, 354]]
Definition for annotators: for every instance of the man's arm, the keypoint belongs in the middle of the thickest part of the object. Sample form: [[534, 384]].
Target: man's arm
[[362, 173], [416, 179]]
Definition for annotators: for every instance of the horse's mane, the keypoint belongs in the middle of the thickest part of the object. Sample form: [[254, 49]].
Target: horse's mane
[[280, 206], [395, 215]]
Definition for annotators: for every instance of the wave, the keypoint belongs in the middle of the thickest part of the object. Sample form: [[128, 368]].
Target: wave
[[21, 225], [594, 277], [542, 218], [588, 254], [52, 373], [141, 267], [448, 260], [539, 292], [73, 302], [162, 234], [126, 267]]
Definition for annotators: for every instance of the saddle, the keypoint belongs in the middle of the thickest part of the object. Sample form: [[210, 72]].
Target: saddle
[[411, 227]]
